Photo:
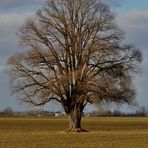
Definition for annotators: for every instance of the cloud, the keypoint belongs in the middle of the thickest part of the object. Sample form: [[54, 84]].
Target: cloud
[[135, 25], [114, 3], [5, 98], [8, 5], [2, 67], [9, 25]]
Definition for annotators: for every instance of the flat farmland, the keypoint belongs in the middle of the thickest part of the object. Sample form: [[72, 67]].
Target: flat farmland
[[49, 132]]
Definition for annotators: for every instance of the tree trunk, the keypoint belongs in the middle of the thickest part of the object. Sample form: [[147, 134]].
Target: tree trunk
[[74, 121], [75, 117]]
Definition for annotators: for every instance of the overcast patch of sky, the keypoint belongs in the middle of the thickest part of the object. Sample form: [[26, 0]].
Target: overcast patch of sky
[[114, 3], [7, 6], [9, 26], [135, 25]]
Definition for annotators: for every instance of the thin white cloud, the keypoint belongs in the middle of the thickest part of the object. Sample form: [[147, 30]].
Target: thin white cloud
[[134, 19], [9, 25], [12, 20]]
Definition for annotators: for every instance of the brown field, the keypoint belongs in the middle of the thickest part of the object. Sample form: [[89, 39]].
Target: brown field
[[48, 132]]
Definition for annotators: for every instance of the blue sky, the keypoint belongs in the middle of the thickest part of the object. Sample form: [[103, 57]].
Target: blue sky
[[132, 17]]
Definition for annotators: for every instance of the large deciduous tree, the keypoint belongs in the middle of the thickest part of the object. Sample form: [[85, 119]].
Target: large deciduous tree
[[76, 56]]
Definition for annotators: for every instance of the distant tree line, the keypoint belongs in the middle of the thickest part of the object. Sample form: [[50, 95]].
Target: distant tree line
[[141, 112]]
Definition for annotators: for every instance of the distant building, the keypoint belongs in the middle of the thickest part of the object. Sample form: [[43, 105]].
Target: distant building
[[58, 114]]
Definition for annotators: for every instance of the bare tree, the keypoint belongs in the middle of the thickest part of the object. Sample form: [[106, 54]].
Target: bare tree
[[75, 57]]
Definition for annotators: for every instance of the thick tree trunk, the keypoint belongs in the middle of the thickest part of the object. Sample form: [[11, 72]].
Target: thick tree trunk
[[75, 116], [74, 121]]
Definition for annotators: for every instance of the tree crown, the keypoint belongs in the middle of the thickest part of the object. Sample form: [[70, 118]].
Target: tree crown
[[75, 56]]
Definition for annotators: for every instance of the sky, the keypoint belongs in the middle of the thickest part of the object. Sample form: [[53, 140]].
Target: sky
[[131, 16]]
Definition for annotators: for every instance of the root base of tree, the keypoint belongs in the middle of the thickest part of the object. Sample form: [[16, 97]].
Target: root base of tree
[[76, 130]]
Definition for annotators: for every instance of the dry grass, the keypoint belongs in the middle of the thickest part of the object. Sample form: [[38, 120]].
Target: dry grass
[[48, 133]]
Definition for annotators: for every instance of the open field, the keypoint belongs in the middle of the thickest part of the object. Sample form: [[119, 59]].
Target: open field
[[48, 132]]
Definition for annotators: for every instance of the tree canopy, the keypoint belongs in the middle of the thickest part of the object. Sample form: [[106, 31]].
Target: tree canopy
[[75, 56]]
